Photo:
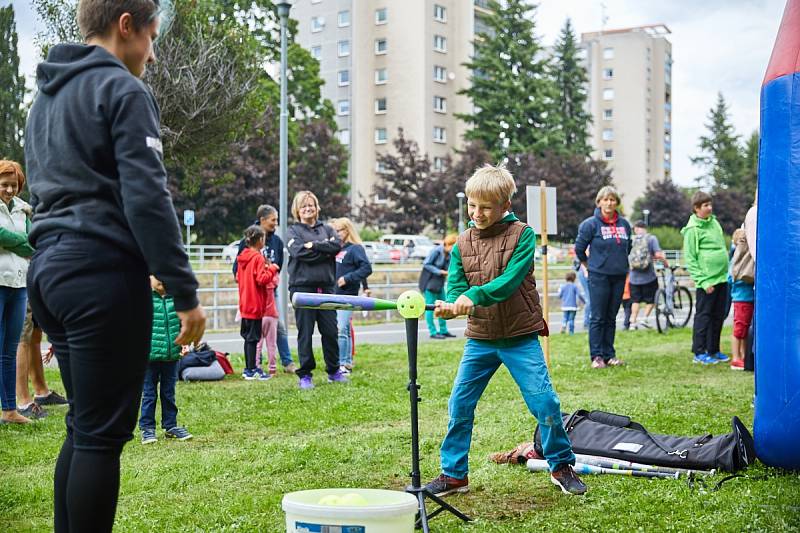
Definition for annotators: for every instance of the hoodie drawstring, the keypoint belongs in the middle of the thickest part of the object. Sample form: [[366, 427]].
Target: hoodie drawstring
[[613, 223]]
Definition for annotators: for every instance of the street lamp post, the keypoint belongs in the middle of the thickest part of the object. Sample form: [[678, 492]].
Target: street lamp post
[[646, 213], [283, 288], [460, 212]]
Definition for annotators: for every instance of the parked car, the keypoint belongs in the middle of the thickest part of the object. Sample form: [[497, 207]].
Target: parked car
[[229, 252], [378, 252], [413, 246]]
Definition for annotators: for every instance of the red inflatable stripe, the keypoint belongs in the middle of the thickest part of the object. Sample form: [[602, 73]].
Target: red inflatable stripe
[[785, 57]]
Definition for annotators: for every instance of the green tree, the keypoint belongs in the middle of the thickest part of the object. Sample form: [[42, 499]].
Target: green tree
[[571, 79], [514, 96], [669, 205], [721, 155], [12, 96], [750, 176]]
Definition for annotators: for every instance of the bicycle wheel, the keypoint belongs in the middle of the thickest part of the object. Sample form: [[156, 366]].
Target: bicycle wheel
[[662, 313], [681, 307]]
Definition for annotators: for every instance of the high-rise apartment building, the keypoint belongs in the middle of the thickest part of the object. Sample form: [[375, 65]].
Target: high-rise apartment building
[[388, 65], [630, 99]]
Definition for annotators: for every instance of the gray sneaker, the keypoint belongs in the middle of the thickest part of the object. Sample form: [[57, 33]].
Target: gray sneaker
[[149, 436], [33, 411]]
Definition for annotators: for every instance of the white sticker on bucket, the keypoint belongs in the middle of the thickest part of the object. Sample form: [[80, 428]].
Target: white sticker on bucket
[[304, 527]]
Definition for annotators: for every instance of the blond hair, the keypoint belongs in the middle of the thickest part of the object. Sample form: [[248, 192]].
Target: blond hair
[[494, 183], [450, 239], [350, 230], [605, 192], [297, 203]]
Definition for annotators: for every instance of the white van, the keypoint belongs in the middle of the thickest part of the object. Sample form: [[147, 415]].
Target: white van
[[414, 246]]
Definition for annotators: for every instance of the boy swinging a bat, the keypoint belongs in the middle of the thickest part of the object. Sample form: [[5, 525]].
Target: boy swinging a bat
[[490, 278]]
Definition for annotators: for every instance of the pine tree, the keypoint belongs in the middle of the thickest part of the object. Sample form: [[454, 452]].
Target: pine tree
[[721, 156], [571, 79], [750, 176], [12, 108], [515, 100]]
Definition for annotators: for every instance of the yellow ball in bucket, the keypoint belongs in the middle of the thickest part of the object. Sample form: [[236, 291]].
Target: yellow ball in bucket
[[411, 304]]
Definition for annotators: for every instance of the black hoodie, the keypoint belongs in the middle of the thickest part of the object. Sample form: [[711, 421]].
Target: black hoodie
[[94, 160]]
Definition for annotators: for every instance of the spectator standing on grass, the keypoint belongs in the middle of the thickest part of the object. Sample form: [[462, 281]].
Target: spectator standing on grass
[[645, 251], [312, 268], [432, 283], [570, 296], [583, 280], [14, 251], [606, 236], [267, 218], [706, 256], [352, 270], [103, 221], [743, 298]]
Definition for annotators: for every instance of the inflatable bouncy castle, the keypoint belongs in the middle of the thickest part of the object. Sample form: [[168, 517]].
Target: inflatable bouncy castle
[[777, 406]]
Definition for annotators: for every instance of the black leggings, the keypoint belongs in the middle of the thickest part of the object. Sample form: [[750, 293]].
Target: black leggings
[[325, 319], [93, 301]]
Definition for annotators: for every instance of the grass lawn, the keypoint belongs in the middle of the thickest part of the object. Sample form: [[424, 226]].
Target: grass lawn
[[256, 441]]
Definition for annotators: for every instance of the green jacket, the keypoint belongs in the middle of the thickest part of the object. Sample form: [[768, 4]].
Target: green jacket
[[166, 326], [705, 251]]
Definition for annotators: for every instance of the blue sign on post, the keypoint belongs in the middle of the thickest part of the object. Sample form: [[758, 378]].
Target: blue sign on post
[[188, 217]]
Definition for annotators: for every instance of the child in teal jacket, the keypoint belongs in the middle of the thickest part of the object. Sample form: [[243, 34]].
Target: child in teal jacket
[[162, 368]]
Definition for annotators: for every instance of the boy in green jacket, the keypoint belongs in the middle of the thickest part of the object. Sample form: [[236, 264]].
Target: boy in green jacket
[[163, 367], [707, 261]]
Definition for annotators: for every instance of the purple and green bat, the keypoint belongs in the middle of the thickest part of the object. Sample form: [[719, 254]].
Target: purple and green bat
[[410, 304]]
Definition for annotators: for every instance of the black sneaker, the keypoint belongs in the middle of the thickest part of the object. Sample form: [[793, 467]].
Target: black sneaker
[[566, 479], [52, 398], [438, 336], [447, 335], [443, 485], [33, 411]]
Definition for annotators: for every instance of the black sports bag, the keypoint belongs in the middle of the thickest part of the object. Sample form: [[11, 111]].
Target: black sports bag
[[617, 436]]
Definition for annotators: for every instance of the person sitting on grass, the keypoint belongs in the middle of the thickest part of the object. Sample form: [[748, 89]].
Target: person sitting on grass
[[162, 368], [255, 277], [505, 320], [432, 281], [707, 262]]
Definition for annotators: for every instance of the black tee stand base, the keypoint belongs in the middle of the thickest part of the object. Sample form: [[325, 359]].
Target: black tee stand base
[[416, 487]]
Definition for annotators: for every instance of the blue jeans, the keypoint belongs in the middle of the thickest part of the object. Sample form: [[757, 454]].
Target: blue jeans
[[12, 316], [344, 337], [569, 321], [587, 308], [167, 374], [430, 298], [606, 297], [283, 344], [525, 362]]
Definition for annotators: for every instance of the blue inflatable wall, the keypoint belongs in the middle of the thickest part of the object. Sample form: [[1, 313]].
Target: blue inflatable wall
[[777, 406]]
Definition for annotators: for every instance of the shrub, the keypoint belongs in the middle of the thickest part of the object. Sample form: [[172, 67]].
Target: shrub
[[668, 237]]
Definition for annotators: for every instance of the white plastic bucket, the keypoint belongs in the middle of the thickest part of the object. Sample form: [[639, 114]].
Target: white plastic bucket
[[386, 511]]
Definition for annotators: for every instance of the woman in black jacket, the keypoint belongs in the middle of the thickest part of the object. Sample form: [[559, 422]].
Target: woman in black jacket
[[312, 268]]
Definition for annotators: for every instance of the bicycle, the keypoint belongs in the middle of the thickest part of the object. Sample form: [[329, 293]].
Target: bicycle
[[673, 301]]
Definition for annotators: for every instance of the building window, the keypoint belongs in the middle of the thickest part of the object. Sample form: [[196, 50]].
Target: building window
[[344, 48], [439, 135], [380, 106], [381, 76], [440, 43], [380, 46], [608, 53], [439, 74], [380, 136], [439, 13], [344, 78], [344, 107], [439, 104], [380, 167], [608, 114], [608, 134], [438, 164], [344, 137], [317, 24], [608, 154], [608, 73], [316, 52], [608, 94], [344, 19], [381, 16]]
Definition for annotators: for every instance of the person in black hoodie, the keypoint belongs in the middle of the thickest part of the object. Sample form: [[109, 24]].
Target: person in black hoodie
[[312, 249], [607, 236], [103, 221]]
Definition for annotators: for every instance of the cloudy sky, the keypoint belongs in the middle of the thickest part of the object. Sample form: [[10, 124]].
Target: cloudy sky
[[717, 46]]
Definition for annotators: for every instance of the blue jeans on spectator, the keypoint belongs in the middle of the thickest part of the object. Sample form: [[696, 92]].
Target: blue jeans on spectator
[[568, 322], [345, 339], [587, 308], [430, 298], [165, 373], [283, 344], [606, 297], [12, 316], [525, 363]]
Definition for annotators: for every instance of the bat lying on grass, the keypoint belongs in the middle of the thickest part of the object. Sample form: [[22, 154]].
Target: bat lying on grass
[[540, 465]]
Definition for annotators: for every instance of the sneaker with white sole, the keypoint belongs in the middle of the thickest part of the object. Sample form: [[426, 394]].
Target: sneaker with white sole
[[178, 433], [51, 398], [149, 436], [565, 478], [444, 485]]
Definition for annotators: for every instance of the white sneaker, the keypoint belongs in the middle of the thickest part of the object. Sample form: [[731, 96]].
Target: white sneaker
[[344, 370]]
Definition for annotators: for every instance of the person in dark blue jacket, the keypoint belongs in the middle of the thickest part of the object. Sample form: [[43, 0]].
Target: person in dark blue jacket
[[607, 236], [352, 270], [267, 218], [432, 281]]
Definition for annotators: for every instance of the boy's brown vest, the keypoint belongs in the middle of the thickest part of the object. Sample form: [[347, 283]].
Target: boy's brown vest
[[484, 256]]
